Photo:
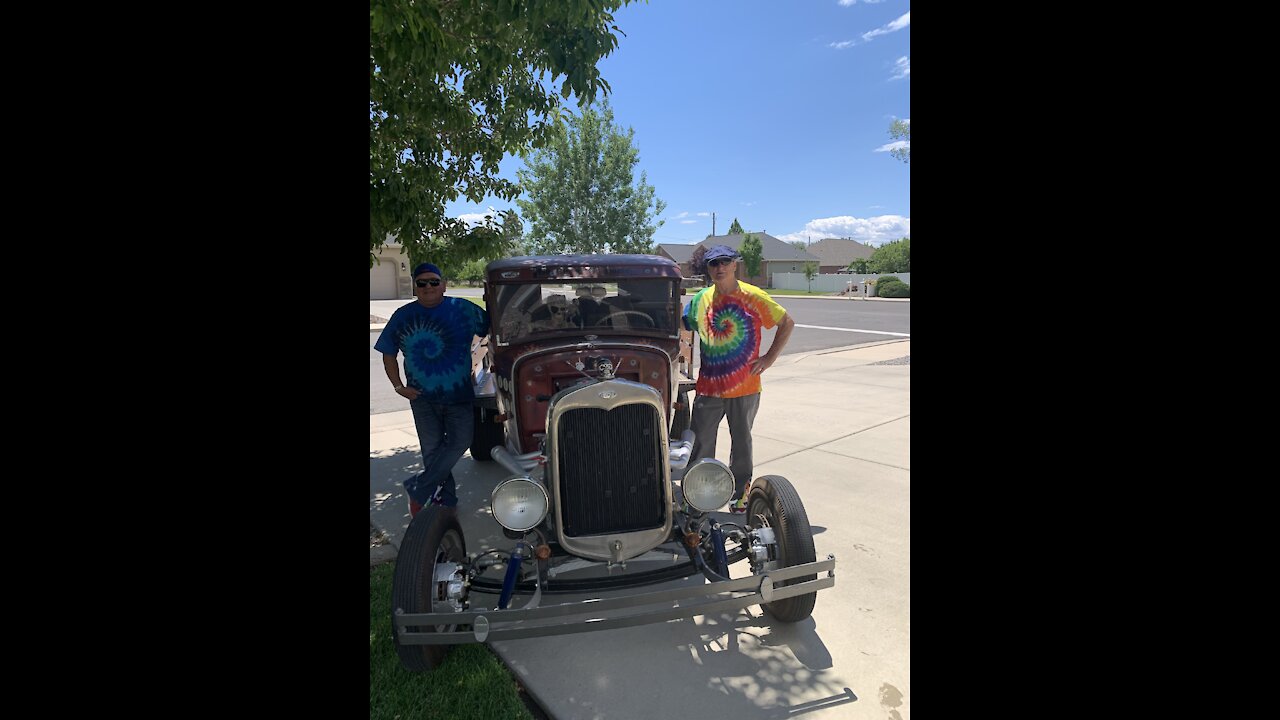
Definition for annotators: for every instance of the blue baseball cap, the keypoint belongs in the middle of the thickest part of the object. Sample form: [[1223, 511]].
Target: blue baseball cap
[[720, 251], [427, 267]]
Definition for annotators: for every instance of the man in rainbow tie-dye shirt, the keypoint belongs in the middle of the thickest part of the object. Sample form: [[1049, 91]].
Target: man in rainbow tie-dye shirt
[[729, 317]]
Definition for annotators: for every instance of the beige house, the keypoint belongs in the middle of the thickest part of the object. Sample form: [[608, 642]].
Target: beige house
[[776, 256], [389, 277], [837, 253]]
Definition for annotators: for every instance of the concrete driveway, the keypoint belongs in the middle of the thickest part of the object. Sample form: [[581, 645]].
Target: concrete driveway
[[837, 424]]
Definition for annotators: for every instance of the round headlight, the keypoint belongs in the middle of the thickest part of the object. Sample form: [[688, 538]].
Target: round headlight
[[519, 504], [708, 484]]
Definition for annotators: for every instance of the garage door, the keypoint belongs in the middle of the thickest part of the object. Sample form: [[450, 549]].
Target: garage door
[[382, 281]]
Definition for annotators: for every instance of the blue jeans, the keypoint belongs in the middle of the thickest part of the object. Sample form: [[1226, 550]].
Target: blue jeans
[[444, 434]]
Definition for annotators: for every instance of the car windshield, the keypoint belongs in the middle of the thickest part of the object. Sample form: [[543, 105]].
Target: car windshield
[[648, 306]]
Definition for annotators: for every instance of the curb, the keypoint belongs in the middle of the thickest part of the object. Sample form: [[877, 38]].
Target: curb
[[381, 554]]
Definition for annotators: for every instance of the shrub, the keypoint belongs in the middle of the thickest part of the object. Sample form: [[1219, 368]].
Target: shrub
[[893, 289]]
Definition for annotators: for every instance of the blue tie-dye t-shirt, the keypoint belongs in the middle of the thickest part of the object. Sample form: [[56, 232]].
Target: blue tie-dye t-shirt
[[436, 343]]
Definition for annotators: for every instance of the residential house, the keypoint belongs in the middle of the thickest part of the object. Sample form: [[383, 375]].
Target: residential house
[[389, 277], [837, 253], [776, 256], [681, 254]]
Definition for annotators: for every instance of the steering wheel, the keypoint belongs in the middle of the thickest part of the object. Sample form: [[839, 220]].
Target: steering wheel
[[608, 319]]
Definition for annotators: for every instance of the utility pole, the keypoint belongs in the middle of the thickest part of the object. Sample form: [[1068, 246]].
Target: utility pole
[[713, 224]]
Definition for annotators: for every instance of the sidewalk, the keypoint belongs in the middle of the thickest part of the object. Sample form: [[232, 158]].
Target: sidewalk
[[837, 424]]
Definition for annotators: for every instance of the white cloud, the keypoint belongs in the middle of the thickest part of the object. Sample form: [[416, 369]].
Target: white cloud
[[681, 215], [706, 214], [902, 68], [897, 145], [847, 3], [896, 25], [477, 219], [688, 222], [873, 231]]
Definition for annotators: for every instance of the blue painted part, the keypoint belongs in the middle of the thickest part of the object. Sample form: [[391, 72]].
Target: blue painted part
[[513, 573], [717, 544]]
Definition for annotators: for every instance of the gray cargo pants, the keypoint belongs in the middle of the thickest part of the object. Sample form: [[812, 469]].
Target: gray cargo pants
[[707, 413]]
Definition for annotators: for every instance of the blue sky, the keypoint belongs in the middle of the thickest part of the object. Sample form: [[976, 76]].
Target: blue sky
[[773, 112]]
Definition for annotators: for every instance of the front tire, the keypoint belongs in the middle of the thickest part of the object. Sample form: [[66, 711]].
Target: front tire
[[433, 536], [680, 415], [775, 502]]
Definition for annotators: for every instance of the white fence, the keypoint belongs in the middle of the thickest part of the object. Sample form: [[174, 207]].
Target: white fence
[[828, 283]]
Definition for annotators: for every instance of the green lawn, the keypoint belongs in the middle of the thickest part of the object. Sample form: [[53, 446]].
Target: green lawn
[[471, 683]]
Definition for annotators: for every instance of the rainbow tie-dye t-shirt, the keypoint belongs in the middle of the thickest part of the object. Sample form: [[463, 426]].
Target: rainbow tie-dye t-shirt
[[729, 328]]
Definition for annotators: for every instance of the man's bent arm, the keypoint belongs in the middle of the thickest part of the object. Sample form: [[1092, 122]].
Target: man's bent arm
[[392, 368]]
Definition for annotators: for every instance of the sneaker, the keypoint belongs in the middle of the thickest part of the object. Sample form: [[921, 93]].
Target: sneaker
[[739, 505]]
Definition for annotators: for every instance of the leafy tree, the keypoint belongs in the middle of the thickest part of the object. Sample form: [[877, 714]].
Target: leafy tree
[[735, 228], [752, 252], [581, 197], [454, 85], [698, 262], [810, 272], [472, 271], [799, 245], [901, 130], [502, 238], [892, 257], [859, 266]]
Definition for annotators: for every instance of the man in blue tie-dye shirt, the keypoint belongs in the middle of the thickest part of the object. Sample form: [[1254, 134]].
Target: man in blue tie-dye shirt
[[435, 334]]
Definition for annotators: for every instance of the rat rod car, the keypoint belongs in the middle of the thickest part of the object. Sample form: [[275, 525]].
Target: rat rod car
[[582, 397]]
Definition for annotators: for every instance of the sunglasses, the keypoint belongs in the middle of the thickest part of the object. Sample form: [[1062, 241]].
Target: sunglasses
[[720, 261], [424, 283]]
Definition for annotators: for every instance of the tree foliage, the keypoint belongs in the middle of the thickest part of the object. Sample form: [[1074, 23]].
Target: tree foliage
[[454, 85], [582, 197], [735, 228], [859, 265], [752, 252], [901, 130], [799, 245], [892, 257], [810, 272], [698, 261]]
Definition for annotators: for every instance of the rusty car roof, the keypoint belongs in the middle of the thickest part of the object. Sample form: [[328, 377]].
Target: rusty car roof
[[555, 267]]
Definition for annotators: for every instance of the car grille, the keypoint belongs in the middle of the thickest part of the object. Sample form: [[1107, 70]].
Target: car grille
[[610, 476]]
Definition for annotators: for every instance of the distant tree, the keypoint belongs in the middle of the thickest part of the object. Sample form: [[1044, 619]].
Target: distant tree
[[698, 262], [859, 266], [455, 85], [472, 271], [901, 130], [810, 272], [752, 252], [581, 196], [799, 245], [894, 257], [735, 228]]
